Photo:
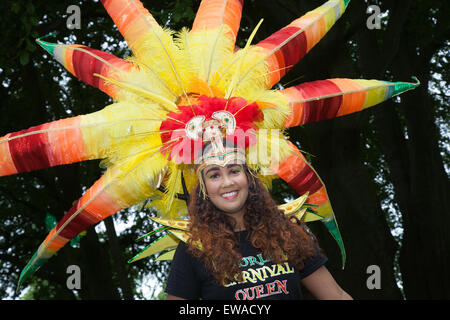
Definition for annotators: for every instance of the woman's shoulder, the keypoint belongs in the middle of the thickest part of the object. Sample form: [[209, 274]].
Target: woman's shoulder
[[183, 253], [182, 249], [314, 262], [183, 258]]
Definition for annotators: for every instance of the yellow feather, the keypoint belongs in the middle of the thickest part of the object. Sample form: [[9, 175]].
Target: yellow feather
[[270, 149], [278, 107], [118, 140], [206, 50], [136, 178], [140, 91], [178, 209], [167, 60], [183, 42], [146, 77], [236, 80], [172, 186]]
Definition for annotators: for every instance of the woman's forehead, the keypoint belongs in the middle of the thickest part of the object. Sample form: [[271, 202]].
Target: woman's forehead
[[220, 159], [213, 166]]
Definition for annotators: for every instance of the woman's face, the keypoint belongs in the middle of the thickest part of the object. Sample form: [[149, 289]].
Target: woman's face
[[227, 187]]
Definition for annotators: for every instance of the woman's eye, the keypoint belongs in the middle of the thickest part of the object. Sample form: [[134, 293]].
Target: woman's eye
[[235, 171], [213, 176]]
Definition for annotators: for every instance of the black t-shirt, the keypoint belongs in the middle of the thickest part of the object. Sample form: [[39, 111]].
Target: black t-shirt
[[262, 279]]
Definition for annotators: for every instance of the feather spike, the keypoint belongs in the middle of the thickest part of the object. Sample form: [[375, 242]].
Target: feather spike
[[235, 80], [165, 50], [128, 86]]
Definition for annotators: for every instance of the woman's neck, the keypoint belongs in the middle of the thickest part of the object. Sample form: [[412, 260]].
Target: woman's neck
[[238, 218]]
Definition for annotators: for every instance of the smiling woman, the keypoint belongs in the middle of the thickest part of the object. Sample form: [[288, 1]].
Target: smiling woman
[[227, 188], [241, 245]]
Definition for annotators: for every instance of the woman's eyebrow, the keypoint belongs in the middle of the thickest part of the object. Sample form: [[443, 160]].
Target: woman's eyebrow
[[211, 169]]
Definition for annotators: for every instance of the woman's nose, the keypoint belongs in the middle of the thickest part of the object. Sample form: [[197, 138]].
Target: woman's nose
[[226, 180]]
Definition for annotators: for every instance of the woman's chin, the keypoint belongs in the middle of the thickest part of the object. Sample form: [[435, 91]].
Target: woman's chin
[[232, 210]]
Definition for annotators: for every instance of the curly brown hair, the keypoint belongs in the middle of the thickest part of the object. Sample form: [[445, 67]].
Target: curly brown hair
[[268, 228]]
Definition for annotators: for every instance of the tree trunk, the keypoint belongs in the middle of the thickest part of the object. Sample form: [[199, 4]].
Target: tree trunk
[[412, 154], [118, 260], [96, 275], [425, 254]]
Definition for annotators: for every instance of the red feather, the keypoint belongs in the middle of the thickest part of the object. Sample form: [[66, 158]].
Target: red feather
[[175, 140]]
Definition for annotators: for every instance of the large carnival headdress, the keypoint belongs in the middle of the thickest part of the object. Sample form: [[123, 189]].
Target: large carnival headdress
[[177, 90]]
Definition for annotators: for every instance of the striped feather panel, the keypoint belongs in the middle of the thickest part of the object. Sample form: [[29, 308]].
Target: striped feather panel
[[326, 99], [284, 49], [84, 62], [115, 190], [134, 22], [213, 13], [95, 205], [71, 140], [301, 177], [51, 144]]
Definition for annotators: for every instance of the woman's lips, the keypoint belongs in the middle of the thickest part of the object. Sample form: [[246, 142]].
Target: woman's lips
[[230, 195]]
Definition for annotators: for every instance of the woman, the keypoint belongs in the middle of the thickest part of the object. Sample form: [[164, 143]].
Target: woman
[[249, 249]]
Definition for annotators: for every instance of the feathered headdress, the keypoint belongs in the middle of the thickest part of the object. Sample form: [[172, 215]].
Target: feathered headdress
[[174, 85]]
